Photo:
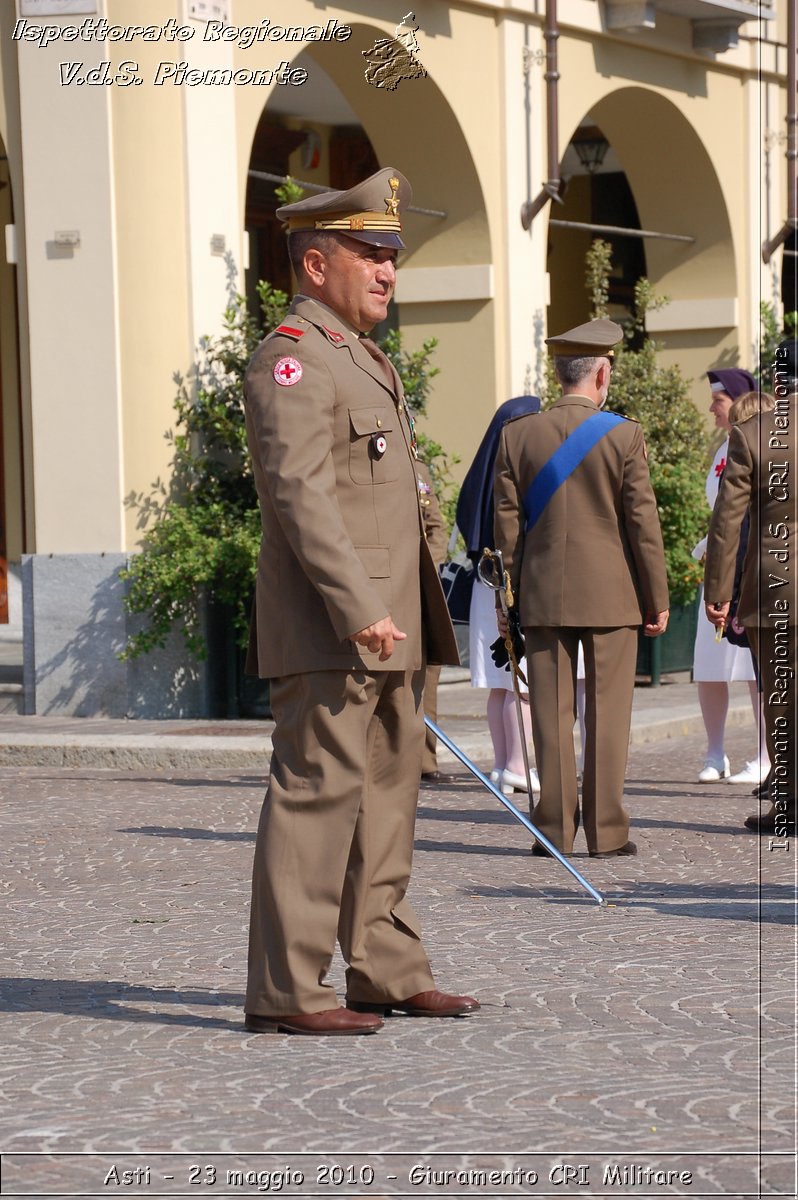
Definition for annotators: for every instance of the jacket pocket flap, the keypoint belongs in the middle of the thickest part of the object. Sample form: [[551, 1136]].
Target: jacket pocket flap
[[366, 420], [376, 560]]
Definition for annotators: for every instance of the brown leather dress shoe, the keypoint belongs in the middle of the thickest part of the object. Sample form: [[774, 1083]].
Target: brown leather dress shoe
[[333, 1022], [627, 850], [423, 1004]]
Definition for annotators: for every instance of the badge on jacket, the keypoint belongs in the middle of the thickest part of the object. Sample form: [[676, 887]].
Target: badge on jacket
[[287, 371], [380, 444]]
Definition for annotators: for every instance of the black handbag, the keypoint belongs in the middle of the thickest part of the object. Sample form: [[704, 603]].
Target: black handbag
[[457, 580]]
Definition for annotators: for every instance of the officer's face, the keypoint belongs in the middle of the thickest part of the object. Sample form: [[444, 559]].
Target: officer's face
[[357, 281]]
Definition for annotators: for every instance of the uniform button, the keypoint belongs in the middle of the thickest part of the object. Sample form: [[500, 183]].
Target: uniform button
[[379, 424]]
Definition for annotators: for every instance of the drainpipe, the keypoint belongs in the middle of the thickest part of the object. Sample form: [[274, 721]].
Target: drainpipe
[[770, 247], [551, 188]]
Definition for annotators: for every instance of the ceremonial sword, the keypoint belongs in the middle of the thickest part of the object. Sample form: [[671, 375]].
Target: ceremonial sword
[[491, 571]]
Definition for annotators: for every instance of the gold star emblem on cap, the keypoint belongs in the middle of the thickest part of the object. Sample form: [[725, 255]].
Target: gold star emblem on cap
[[392, 201]]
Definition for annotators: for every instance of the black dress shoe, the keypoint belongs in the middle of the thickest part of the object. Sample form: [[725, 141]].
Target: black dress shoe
[[762, 789], [622, 851], [423, 1004], [540, 851], [433, 776], [334, 1022], [771, 822]]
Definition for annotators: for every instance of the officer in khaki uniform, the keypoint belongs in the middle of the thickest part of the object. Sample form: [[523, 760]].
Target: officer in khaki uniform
[[349, 608], [587, 564], [761, 478]]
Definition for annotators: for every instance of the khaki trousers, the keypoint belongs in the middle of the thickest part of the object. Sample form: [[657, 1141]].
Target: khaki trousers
[[610, 655], [335, 843]]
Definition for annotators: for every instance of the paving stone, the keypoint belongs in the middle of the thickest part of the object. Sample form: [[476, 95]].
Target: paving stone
[[657, 1030]]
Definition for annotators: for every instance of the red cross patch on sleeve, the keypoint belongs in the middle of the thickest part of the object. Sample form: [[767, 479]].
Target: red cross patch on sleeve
[[287, 371]]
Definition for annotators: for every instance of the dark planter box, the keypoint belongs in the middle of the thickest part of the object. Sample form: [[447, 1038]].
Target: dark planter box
[[674, 650], [232, 693]]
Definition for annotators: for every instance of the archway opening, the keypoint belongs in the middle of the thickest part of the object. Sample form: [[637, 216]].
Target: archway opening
[[596, 197], [677, 194]]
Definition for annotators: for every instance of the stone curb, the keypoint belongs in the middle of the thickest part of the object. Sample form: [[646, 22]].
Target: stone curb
[[129, 751]]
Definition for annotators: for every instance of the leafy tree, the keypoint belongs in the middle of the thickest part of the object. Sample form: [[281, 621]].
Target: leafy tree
[[416, 374], [772, 334]]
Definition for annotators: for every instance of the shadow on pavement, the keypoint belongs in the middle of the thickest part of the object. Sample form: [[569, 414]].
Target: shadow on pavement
[[116, 1001], [206, 835], [771, 904]]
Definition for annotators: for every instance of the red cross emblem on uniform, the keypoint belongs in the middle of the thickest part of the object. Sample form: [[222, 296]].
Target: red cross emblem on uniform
[[720, 468], [287, 371]]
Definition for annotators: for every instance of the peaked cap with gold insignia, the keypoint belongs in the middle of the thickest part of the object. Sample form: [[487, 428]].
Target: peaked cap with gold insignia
[[368, 212], [594, 339]]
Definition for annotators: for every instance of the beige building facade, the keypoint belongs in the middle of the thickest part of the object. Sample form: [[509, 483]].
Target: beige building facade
[[129, 204]]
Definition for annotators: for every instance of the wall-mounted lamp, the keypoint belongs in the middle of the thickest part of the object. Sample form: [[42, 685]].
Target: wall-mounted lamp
[[591, 147]]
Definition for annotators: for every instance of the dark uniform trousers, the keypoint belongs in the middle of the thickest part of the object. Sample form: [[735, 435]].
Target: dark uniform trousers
[[775, 656], [335, 843], [610, 655]]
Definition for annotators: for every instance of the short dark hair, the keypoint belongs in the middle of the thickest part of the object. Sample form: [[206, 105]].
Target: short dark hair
[[310, 239], [573, 368]]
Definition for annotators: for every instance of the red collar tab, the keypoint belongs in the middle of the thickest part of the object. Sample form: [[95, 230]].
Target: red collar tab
[[334, 336]]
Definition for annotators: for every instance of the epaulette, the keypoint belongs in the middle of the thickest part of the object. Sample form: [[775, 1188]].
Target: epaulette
[[634, 420], [520, 416], [290, 330]]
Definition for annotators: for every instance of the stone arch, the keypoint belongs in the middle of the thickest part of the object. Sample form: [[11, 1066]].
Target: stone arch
[[407, 128], [676, 190]]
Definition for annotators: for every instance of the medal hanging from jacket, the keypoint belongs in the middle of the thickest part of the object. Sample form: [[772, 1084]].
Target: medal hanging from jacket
[[412, 427]]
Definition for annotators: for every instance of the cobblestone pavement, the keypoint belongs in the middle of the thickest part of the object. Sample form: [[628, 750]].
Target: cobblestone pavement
[[656, 1031]]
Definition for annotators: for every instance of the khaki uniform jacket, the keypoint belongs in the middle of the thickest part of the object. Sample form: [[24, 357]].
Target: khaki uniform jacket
[[343, 543], [595, 558], [760, 477]]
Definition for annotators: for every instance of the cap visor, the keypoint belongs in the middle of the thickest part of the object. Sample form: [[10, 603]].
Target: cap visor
[[391, 241]]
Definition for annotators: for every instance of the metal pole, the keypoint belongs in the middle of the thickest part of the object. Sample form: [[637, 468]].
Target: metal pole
[[552, 76], [519, 816], [551, 188], [621, 231]]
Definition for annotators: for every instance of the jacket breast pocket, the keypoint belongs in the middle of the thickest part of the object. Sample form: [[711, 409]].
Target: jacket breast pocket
[[375, 443]]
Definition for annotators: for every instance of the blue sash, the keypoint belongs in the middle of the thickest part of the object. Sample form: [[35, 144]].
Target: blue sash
[[565, 459]]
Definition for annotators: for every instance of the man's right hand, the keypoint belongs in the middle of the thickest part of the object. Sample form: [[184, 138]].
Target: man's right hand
[[656, 623], [379, 637]]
